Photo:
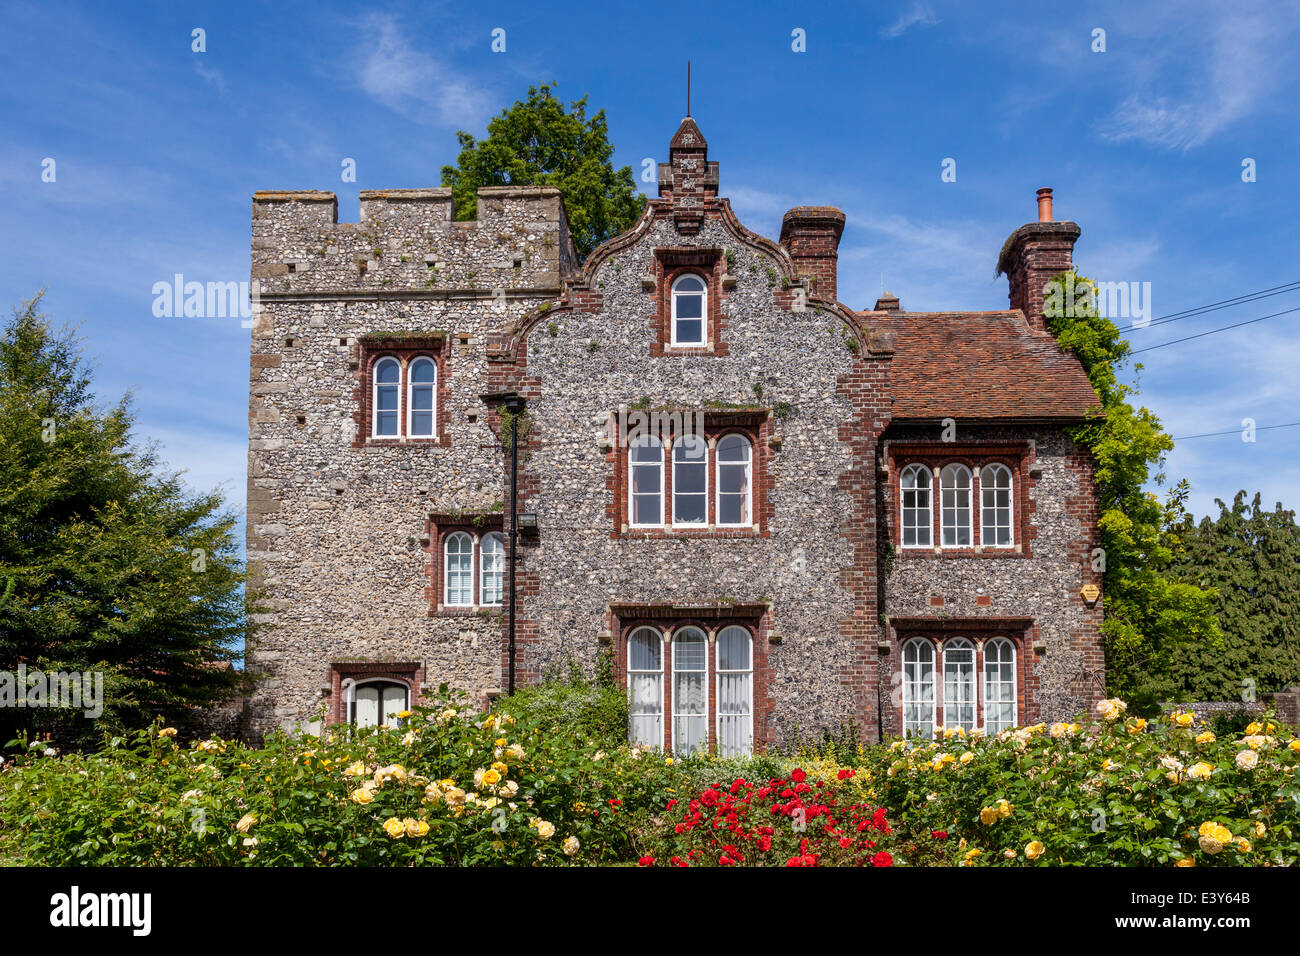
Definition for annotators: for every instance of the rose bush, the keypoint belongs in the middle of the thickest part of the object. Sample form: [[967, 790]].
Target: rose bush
[[1103, 790], [450, 786]]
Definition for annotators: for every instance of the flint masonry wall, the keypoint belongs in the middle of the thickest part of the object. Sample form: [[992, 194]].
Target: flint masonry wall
[[334, 531], [584, 364]]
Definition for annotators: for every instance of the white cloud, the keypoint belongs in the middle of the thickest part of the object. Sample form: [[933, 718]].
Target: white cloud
[[1230, 66], [412, 82], [917, 13]]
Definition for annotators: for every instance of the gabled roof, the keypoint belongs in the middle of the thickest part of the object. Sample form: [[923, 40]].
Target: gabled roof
[[980, 365]]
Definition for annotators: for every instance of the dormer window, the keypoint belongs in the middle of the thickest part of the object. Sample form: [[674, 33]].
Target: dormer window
[[690, 302]]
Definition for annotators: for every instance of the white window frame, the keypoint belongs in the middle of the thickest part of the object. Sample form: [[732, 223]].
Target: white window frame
[[374, 395], [676, 697], [997, 468], [961, 644], [717, 693], [704, 311], [446, 569], [748, 465], [910, 684], [678, 442], [913, 471], [483, 569], [627, 650], [411, 386], [632, 465], [1010, 646], [956, 468], [350, 697]]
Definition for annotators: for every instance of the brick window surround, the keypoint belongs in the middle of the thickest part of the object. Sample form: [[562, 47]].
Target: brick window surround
[[1016, 456], [710, 265], [406, 349], [439, 528], [410, 673], [1019, 631], [711, 619], [754, 425]]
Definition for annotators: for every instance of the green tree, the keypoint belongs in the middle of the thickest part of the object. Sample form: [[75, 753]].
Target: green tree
[[1251, 558], [115, 567], [1151, 613], [537, 143]]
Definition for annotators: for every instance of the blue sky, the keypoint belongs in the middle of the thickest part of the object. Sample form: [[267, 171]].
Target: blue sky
[[158, 150]]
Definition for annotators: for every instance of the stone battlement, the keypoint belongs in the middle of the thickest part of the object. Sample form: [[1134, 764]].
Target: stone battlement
[[407, 241]]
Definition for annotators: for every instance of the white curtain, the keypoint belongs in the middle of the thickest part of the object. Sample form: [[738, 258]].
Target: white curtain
[[735, 692], [690, 692]]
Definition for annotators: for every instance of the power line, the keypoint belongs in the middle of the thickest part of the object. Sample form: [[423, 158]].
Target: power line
[[1223, 304], [1235, 325], [1237, 431]]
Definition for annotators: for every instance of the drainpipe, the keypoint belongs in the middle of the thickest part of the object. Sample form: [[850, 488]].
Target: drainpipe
[[514, 404]]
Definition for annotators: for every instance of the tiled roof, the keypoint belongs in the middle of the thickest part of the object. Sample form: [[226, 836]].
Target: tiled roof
[[980, 365]]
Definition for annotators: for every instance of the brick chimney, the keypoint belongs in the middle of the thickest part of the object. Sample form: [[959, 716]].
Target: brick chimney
[[1032, 255], [811, 234]]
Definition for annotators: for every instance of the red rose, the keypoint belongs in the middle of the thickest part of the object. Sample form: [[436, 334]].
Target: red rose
[[845, 773], [646, 861], [798, 776], [939, 834], [882, 859], [672, 803]]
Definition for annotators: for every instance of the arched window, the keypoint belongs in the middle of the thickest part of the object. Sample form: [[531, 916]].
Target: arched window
[[959, 683], [388, 377], [459, 576], [918, 688], [999, 685], [492, 563], [954, 489], [914, 494], [690, 691], [646, 481], [690, 480], [690, 303], [735, 692], [376, 702], [645, 687], [421, 389], [995, 507], [734, 470]]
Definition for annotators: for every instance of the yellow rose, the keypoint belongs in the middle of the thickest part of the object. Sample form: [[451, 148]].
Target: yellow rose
[[1243, 845], [1259, 829], [1295, 745], [1004, 808], [432, 793], [415, 828], [989, 815], [1009, 854], [245, 823], [967, 757], [1186, 861], [1246, 760], [570, 846], [1184, 719], [491, 778], [395, 828], [1205, 737], [167, 732], [1034, 849], [545, 830], [1200, 771], [363, 795], [500, 768], [1137, 726], [357, 769], [1254, 728]]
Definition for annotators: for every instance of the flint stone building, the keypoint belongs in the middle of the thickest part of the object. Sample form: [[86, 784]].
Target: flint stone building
[[773, 513]]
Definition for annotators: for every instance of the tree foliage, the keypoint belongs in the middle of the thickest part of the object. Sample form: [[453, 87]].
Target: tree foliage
[[1251, 558], [1152, 614], [537, 143], [110, 565]]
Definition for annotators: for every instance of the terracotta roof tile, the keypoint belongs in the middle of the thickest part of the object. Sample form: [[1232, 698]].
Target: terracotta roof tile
[[980, 365]]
